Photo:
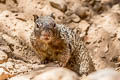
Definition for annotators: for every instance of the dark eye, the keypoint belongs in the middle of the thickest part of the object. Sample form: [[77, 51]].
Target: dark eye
[[37, 25], [54, 25]]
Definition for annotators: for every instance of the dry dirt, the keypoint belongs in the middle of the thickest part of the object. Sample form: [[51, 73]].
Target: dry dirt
[[98, 20]]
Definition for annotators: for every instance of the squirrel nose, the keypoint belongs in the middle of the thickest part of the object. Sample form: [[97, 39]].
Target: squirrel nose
[[46, 34]]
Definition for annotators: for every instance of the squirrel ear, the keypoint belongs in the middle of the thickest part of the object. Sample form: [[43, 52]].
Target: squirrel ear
[[35, 17], [52, 15]]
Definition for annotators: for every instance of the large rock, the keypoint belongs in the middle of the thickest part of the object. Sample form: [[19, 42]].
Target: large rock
[[51, 73], [103, 38], [105, 74], [15, 66], [80, 10], [3, 57], [59, 4], [16, 33]]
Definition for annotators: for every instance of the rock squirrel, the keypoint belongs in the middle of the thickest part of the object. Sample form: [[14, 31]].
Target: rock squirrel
[[55, 42]]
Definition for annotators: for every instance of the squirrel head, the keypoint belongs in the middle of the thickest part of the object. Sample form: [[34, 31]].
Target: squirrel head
[[45, 28]]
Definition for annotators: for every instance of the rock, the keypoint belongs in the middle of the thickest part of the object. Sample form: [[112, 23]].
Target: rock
[[68, 12], [98, 6], [16, 35], [59, 4], [51, 73], [4, 74], [106, 49], [79, 10], [3, 57], [105, 74], [82, 12], [116, 59], [118, 36], [110, 2], [103, 35], [67, 20], [19, 66], [83, 25], [75, 18], [57, 74], [106, 1], [4, 48]]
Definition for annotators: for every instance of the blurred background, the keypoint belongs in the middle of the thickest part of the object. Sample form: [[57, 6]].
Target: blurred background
[[98, 21]]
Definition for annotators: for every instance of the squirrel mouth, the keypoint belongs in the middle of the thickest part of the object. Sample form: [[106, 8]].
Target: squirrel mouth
[[46, 38]]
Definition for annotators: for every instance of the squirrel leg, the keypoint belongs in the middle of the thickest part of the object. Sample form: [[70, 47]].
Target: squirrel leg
[[64, 58]]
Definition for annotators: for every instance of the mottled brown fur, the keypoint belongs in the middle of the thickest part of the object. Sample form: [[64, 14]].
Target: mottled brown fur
[[54, 42]]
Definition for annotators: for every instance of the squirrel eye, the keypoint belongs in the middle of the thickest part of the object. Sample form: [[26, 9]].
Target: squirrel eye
[[37, 25], [54, 25]]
